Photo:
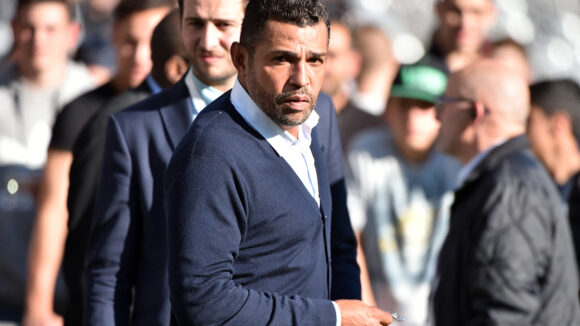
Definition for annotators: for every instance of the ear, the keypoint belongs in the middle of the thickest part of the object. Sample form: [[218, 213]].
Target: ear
[[174, 68], [356, 64], [478, 111], [74, 32], [561, 123], [239, 59]]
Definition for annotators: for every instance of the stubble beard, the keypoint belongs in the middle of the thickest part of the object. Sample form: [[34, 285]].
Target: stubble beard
[[275, 108]]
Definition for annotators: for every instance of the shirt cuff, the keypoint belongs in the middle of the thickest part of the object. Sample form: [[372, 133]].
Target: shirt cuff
[[338, 317]]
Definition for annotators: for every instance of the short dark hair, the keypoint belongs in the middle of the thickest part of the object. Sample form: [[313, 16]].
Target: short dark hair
[[180, 4], [166, 42], [298, 12], [127, 8], [558, 95], [69, 7]]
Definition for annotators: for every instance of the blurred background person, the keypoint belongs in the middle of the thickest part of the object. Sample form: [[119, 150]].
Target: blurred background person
[[378, 68], [34, 85], [96, 48], [513, 55], [134, 24], [342, 67], [462, 34], [399, 192], [554, 130], [508, 256], [126, 273]]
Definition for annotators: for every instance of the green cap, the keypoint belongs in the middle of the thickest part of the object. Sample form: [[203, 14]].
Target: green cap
[[423, 80]]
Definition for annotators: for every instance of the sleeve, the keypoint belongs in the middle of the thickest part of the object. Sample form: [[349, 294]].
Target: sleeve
[[207, 211], [111, 253], [510, 258]]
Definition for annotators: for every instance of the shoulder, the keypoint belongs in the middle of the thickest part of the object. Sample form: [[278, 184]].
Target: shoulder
[[218, 130], [143, 102]]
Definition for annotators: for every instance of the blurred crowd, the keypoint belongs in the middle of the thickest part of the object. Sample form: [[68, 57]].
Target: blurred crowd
[[66, 66]]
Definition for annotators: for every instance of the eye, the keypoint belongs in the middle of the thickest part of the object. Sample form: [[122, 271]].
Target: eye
[[280, 59], [222, 25], [196, 23], [316, 60]]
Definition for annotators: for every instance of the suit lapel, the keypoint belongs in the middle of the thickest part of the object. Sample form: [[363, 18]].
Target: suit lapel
[[177, 114]]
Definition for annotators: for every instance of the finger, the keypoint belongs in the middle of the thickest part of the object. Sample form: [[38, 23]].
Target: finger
[[383, 317]]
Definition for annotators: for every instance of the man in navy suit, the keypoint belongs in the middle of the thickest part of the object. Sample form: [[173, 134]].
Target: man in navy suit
[[126, 277], [248, 198], [126, 273]]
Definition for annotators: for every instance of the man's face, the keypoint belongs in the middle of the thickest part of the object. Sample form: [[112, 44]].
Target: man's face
[[208, 29], [540, 136], [339, 67], [132, 40], [466, 22], [455, 117], [43, 35], [413, 124], [286, 70]]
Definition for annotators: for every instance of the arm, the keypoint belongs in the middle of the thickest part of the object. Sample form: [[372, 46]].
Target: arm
[[111, 252], [48, 240]]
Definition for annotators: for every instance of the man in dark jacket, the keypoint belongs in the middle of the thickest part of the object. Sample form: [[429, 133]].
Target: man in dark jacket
[[508, 257]]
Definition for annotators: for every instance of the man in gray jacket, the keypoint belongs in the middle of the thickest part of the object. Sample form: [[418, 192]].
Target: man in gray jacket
[[508, 257]]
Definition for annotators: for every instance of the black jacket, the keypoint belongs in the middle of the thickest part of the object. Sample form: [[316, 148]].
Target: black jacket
[[508, 257]]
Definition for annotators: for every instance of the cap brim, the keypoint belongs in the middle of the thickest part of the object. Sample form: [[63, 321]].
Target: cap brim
[[416, 94]]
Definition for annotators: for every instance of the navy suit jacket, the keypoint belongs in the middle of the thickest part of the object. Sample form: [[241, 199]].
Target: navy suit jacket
[[126, 273], [248, 244], [128, 247]]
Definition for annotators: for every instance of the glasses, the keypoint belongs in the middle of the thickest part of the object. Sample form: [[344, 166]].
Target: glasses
[[442, 100]]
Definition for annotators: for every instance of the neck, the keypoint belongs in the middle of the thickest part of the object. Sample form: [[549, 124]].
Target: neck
[[120, 84], [50, 78], [340, 101], [224, 85]]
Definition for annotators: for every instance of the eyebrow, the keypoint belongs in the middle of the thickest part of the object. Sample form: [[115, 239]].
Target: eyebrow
[[290, 54], [205, 20]]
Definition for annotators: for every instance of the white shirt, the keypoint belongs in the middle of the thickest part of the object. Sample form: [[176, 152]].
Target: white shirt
[[196, 100], [296, 152]]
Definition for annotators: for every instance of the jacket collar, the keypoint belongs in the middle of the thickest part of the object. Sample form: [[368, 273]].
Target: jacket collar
[[497, 155], [176, 114]]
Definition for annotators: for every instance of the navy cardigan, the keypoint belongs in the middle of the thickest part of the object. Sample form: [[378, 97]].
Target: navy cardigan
[[248, 245]]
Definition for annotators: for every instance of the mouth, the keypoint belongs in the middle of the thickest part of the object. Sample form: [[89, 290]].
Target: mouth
[[209, 57]]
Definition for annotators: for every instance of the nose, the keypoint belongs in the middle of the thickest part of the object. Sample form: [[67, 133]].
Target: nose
[[299, 76], [210, 36]]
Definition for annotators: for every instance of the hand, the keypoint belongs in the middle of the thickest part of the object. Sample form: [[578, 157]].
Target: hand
[[356, 313], [48, 318]]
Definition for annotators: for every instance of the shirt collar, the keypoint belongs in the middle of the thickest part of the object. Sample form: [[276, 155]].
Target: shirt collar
[[198, 102], [474, 162], [280, 139], [153, 85]]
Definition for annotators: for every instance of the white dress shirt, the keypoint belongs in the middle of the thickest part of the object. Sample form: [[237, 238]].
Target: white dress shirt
[[296, 152], [198, 102]]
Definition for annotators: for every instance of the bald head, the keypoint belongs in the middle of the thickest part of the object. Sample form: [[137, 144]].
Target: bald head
[[502, 90]]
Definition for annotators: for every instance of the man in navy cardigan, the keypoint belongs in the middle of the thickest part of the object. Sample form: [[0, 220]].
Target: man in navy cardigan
[[248, 199]]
